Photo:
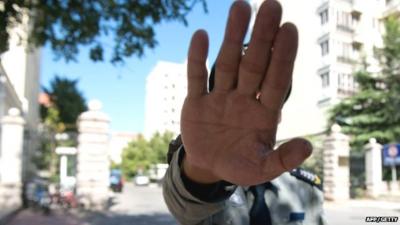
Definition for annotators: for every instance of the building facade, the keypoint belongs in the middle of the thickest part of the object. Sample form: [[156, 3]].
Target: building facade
[[166, 89], [335, 37], [119, 141], [19, 115]]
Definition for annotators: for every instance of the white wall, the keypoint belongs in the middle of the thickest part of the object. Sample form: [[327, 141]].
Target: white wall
[[119, 141], [300, 115], [166, 90]]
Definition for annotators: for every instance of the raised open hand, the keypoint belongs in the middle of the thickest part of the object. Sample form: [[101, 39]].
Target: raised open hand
[[229, 134]]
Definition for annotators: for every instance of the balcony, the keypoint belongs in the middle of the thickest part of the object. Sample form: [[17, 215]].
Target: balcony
[[346, 59], [357, 9], [392, 8], [345, 28], [344, 93], [358, 40]]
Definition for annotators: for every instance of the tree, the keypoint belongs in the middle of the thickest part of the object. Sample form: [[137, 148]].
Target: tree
[[140, 154], [67, 25], [59, 112], [374, 111], [159, 145], [315, 162], [67, 99], [137, 156]]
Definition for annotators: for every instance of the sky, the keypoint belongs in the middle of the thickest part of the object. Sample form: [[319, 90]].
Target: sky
[[121, 89]]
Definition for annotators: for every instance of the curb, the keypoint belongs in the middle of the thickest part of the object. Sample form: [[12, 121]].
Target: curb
[[9, 216]]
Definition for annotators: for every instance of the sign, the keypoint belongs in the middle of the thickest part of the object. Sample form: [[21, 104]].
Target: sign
[[391, 155], [66, 150]]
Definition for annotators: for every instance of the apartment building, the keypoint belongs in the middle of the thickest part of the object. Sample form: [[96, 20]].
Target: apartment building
[[166, 89], [118, 142], [335, 36]]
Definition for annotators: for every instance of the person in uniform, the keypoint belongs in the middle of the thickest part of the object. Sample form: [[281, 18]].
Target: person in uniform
[[223, 167]]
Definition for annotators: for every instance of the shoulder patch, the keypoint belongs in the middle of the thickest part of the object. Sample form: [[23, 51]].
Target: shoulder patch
[[307, 177], [174, 145]]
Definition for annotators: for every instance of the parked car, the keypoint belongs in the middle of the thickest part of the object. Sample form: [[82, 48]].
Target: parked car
[[141, 180], [116, 180]]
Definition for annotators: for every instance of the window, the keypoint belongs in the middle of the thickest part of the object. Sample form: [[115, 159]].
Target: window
[[324, 16], [346, 83], [324, 47], [344, 21], [345, 50], [325, 79]]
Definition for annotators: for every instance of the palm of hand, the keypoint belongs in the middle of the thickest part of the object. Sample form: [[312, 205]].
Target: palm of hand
[[228, 133]]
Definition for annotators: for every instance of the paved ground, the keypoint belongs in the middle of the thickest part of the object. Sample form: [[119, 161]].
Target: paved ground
[[31, 217], [355, 212], [145, 205], [136, 205]]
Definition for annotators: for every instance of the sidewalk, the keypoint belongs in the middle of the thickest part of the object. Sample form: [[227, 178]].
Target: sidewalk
[[7, 213], [30, 217], [364, 203]]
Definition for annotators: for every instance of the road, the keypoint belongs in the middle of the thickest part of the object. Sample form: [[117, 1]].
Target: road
[[354, 212], [145, 205], [135, 205]]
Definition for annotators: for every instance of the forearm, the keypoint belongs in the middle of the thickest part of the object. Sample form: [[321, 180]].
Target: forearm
[[188, 201]]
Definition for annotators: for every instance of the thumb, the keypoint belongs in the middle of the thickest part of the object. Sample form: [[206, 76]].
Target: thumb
[[288, 156]]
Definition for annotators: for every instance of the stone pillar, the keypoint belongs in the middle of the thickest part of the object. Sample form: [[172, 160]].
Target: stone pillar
[[373, 167], [12, 132], [93, 164], [336, 165]]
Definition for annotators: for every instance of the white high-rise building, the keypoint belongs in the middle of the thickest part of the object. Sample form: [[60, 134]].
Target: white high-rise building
[[118, 142], [334, 37], [166, 90]]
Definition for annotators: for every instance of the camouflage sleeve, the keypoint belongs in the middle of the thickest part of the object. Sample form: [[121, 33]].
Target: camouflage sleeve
[[186, 206]]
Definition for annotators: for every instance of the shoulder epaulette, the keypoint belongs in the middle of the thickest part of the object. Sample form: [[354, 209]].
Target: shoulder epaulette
[[307, 177], [174, 145]]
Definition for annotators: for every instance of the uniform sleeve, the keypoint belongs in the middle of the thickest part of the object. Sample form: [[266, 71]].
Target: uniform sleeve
[[186, 200]]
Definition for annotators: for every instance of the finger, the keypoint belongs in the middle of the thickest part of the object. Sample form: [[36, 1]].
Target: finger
[[288, 156], [254, 63], [279, 74], [196, 69], [228, 59]]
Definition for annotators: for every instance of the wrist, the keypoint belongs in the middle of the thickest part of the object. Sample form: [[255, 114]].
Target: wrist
[[197, 174]]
